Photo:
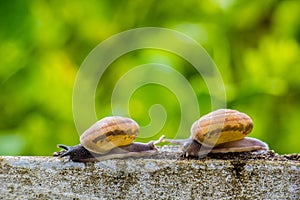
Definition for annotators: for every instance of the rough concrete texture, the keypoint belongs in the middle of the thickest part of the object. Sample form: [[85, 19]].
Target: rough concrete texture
[[166, 176]]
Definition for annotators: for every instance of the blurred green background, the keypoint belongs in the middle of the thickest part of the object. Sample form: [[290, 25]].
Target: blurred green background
[[255, 45]]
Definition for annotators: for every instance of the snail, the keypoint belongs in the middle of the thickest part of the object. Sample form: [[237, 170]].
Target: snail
[[220, 131], [109, 138]]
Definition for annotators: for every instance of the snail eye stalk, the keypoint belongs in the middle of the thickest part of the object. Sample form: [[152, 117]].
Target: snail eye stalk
[[66, 152]]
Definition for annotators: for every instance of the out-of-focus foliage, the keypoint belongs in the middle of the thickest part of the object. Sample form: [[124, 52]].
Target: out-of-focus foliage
[[255, 45]]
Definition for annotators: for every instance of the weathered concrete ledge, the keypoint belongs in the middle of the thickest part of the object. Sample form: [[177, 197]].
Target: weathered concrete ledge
[[166, 176]]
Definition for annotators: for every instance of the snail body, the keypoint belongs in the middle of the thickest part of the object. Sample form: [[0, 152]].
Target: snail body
[[109, 138], [220, 131]]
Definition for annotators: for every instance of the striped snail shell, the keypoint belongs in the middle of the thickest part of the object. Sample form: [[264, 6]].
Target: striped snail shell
[[109, 133], [221, 126]]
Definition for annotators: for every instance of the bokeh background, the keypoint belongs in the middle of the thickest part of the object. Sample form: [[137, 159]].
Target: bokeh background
[[255, 45]]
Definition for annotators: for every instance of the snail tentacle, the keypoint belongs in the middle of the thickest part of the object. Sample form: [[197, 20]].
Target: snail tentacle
[[67, 150], [160, 140]]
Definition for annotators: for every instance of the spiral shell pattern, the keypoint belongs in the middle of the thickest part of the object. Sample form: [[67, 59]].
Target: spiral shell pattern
[[221, 126], [109, 133]]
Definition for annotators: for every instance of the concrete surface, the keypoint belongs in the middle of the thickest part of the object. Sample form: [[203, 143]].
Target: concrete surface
[[166, 176]]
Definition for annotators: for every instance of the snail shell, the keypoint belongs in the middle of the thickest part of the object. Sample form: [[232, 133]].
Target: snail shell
[[109, 133], [221, 126]]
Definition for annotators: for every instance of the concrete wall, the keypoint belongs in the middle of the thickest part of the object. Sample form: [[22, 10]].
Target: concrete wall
[[164, 177]]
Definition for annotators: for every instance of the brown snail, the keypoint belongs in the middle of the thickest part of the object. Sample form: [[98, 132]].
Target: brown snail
[[110, 137], [220, 131]]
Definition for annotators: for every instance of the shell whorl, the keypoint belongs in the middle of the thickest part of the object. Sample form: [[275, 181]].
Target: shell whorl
[[221, 126], [109, 133]]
